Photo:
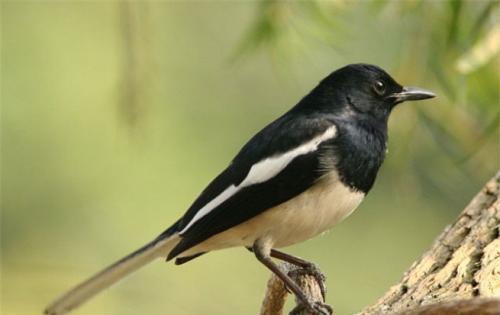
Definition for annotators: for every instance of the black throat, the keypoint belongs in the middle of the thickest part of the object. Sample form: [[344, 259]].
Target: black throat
[[359, 150]]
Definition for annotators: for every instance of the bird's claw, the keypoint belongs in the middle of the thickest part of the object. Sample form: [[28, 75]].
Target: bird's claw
[[317, 308], [313, 270], [323, 308], [313, 307]]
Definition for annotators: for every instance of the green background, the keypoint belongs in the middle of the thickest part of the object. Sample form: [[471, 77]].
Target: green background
[[116, 115]]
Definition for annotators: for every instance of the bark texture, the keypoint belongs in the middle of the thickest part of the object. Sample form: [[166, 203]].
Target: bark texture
[[463, 263]]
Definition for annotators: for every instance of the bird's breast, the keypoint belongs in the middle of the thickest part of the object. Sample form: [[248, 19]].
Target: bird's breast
[[313, 212]]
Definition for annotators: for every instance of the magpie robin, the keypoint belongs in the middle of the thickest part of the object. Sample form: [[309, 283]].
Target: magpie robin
[[297, 177]]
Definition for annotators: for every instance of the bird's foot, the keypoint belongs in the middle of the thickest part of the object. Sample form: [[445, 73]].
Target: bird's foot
[[313, 270], [317, 308]]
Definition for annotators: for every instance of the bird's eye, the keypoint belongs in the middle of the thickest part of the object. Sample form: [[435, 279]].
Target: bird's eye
[[379, 87]]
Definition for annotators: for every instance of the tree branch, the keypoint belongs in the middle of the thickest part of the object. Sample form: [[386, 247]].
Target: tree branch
[[463, 263], [276, 293]]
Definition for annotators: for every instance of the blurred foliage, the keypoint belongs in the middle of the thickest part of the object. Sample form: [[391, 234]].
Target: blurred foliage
[[115, 115], [454, 43]]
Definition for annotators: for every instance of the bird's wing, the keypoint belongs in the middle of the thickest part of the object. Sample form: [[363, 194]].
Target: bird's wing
[[277, 164]]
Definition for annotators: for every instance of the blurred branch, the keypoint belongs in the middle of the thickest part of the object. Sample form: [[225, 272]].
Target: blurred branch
[[455, 9], [483, 18], [135, 66]]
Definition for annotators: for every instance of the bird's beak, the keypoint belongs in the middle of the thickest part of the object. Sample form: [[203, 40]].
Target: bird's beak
[[411, 94]]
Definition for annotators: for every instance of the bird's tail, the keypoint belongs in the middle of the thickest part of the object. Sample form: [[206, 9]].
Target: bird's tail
[[85, 290]]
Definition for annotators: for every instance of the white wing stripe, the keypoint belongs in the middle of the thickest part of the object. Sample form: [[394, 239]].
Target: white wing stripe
[[261, 172]]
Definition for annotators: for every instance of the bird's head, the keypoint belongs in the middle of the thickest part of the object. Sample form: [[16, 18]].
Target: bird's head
[[367, 90]]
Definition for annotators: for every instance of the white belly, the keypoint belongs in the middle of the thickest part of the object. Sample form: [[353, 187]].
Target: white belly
[[300, 218]]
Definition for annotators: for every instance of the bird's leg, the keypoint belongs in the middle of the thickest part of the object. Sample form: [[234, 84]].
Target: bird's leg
[[307, 266], [263, 255], [297, 261]]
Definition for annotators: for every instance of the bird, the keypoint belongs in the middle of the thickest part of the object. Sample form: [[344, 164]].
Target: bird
[[296, 178]]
